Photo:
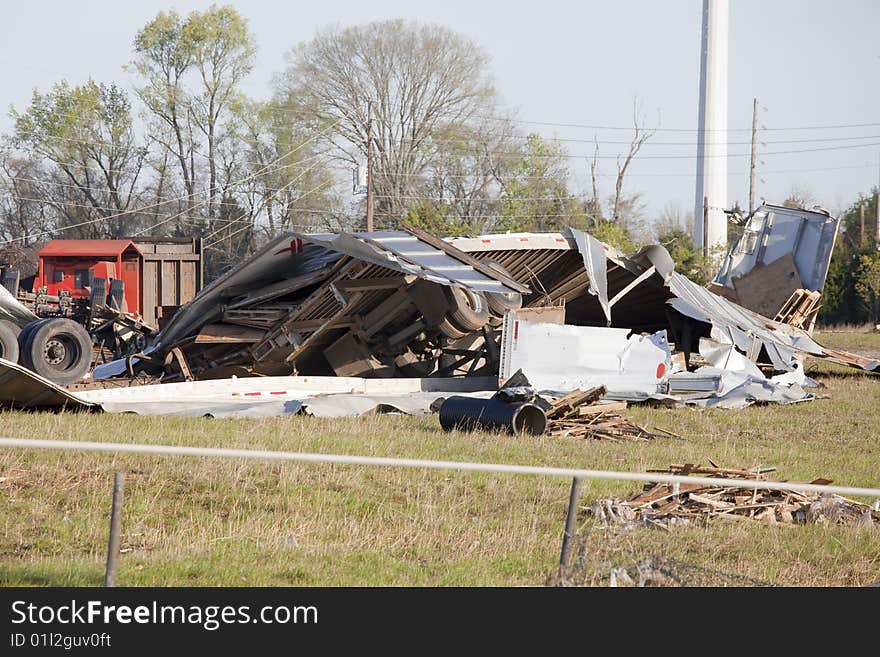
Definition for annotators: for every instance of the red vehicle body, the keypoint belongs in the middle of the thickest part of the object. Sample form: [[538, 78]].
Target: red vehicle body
[[72, 265]]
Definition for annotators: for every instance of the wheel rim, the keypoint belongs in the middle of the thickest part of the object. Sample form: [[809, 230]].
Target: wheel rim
[[60, 352]]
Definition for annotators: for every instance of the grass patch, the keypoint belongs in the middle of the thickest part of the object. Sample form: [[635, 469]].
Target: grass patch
[[199, 521]]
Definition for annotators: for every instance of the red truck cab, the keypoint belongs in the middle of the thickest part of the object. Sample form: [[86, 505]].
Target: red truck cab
[[72, 265]]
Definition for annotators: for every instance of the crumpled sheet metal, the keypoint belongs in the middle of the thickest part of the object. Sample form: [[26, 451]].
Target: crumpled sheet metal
[[737, 381], [783, 343], [13, 310], [559, 358], [23, 389], [595, 262], [806, 235], [296, 254], [738, 389], [255, 397], [328, 405], [408, 254]]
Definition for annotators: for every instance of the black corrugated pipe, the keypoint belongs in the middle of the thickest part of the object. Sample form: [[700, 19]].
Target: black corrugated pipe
[[469, 414]]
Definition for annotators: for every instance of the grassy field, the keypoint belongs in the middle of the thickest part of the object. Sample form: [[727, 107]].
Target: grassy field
[[196, 521]]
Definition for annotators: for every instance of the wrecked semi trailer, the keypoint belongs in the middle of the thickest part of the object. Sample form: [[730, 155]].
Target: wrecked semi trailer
[[599, 286], [392, 303], [405, 303]]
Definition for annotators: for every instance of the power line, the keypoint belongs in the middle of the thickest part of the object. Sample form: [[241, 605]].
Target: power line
[[840, 126], [155, 205], [52, 183], [264, 200], [618, 142], [585, 156], [658, 129]]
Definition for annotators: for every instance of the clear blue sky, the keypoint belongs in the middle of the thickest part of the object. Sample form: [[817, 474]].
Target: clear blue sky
[[810, 62]]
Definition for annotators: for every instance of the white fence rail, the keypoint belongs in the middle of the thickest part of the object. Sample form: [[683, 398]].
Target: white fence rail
[[501, 468]]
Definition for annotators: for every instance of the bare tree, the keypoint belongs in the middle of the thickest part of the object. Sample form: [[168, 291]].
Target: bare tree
[[640, 136], [163, 59], [419, 80], [24, 218], [593, 206]]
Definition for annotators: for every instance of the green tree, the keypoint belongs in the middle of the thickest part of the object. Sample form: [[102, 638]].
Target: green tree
[[867, 284], [613, 233], [223, 52], [841, 299], [535, 194], [436, 220], [85, 133], [688, 259], [191, 71], [297, 194], [163, 56]]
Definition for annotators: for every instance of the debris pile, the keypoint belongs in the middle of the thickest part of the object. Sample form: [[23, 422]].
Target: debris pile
[[662, 506], [583, 414]]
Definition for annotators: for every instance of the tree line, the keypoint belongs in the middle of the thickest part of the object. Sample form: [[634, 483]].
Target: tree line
[[186, 152]]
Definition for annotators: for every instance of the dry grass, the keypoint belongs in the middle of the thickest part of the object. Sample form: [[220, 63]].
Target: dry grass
[[196, 521]]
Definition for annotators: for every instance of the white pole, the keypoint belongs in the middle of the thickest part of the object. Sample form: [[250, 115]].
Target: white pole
[[712, 134]]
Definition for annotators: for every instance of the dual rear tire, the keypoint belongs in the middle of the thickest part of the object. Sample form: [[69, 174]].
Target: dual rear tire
[[57, 349], [9, 340]]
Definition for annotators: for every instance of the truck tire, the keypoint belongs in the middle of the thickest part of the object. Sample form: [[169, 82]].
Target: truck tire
[[469, 310], [451, 331], [501, 302], [8, 341], [23, 336], [59, 350]]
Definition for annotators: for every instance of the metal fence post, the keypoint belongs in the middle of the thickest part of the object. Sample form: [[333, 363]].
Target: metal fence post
[[570, 521], [115, 526]]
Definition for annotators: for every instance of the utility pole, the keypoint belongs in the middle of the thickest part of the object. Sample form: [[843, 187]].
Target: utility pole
[[877, 208], [752, 163], [370, 166], [862, 224]]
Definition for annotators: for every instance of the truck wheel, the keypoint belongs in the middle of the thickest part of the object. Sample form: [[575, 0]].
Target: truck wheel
[[59, 350], [23, 336], [8, 341], [501, 302], [469, 310], [449, 329]]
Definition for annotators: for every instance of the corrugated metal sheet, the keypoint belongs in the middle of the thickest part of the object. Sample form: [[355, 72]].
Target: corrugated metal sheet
[[406, 253]]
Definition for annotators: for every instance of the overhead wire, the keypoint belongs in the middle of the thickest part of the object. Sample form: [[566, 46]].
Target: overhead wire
[[264, 201], [155, 205]]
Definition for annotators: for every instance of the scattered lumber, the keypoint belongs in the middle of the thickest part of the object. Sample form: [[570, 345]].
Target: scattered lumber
[[661, 505], [584, 414]]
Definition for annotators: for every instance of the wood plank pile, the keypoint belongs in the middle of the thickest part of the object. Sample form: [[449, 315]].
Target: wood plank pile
[[661, 505], [583, 414]]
